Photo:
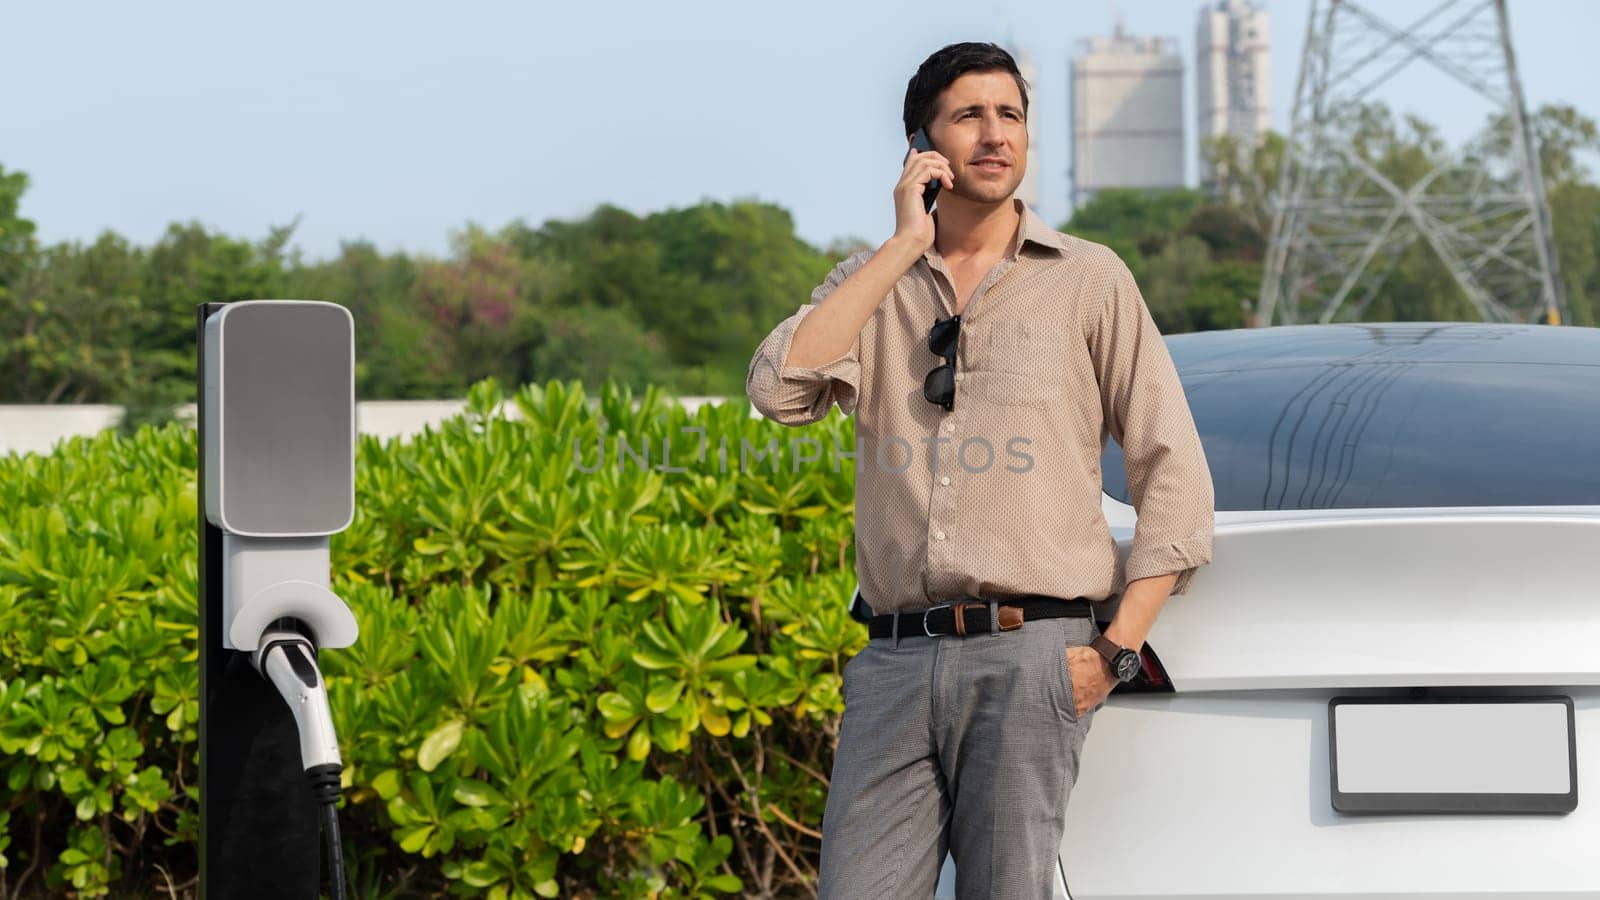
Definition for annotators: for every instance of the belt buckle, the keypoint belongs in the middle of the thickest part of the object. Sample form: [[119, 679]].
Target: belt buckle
[[925, 618]]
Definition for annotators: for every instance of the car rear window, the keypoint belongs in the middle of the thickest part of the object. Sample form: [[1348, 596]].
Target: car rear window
[[1394, 433]]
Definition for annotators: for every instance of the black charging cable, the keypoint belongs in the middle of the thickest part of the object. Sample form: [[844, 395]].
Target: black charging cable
[[325, 788]]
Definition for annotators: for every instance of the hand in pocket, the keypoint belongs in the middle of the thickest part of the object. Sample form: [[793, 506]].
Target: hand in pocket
[[1091, 677]]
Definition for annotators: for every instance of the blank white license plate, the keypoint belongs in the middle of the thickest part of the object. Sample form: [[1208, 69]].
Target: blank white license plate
[[1453, 754]]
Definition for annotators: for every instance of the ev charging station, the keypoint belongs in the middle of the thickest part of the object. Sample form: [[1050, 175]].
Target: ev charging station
[[277, 432]]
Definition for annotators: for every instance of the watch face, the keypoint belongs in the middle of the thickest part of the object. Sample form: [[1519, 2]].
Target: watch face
[[1127, 665]]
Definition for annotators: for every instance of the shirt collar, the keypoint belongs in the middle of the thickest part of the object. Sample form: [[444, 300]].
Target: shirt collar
[[1032, 230], [1035, 231]]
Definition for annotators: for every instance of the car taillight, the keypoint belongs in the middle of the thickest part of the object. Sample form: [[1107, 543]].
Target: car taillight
[[1150, 669], [1152, 678]]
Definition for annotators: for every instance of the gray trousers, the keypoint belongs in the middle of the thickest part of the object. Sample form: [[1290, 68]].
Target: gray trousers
[[969, 745]]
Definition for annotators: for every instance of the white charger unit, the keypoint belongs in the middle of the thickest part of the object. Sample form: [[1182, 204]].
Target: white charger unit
[[280, 462]]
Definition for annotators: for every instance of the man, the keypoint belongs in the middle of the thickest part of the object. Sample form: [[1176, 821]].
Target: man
[[962, 730]]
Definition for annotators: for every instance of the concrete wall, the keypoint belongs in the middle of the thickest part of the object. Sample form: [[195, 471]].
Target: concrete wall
[[38, 428]]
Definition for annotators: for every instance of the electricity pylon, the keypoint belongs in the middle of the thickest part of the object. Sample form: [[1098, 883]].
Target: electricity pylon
[[1339, 224]]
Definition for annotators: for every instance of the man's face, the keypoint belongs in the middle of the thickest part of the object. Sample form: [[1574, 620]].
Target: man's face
[[978, 124]]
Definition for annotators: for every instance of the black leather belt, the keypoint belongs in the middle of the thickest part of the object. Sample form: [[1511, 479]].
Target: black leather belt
[[972, 615]]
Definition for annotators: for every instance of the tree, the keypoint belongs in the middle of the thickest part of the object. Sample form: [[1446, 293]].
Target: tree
[[18, 319], [1562, 134], [1229, 232], [593, 344], [71, 314], [478, 308], [85, 339], [16, 233], [1187, 290], [1244, 176], [1136, 223], [1196, 265], [711, 280]]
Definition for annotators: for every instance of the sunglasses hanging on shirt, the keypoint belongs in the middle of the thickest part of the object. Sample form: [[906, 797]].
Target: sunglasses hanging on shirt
[[939, 387]]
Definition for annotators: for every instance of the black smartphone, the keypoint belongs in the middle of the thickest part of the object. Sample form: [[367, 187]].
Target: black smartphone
[[921, 144]]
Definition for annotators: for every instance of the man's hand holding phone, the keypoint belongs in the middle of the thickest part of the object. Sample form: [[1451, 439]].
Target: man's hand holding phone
[[926, 170]]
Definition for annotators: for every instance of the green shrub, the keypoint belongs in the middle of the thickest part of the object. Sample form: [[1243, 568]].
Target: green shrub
[[572, 680]]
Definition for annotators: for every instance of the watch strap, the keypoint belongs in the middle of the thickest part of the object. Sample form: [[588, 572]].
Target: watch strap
[[1113, 655], [1106, 648]]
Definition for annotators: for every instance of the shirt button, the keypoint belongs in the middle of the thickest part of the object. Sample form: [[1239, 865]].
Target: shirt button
[[949, 426], [958, 376], [938, 535], [945, 480]]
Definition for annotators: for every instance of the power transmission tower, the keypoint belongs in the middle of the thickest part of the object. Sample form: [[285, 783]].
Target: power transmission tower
[[1339, 224]]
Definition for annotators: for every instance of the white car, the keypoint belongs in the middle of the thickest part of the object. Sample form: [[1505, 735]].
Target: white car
[[1387, 682]]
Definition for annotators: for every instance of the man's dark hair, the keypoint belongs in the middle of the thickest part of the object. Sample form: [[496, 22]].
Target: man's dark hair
[[945, 66]]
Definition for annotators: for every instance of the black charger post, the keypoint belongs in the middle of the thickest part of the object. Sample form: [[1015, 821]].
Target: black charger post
[[277, 435], [258, 832]]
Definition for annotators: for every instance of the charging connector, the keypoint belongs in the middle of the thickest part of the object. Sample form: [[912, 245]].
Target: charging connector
[[287, 658]]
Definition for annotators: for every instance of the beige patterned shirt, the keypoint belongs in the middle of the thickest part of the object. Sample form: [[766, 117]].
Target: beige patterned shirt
[[1001, 495]]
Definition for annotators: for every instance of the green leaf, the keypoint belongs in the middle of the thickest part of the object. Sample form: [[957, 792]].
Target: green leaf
[[412, 840], [438, 746], [734, 663], [387, 784], [476, 794], [614, 706], [662, 696], [651, 660], [639, 744], [481, 874]]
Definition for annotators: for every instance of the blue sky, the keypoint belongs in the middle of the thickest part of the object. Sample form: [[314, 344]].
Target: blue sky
[[400, 122]]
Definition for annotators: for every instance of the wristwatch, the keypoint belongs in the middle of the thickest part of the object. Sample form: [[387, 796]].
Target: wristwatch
[[1125, 663]]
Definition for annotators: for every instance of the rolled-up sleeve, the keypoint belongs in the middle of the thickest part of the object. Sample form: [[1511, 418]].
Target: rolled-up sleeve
[[1145, 409], [797, 395]]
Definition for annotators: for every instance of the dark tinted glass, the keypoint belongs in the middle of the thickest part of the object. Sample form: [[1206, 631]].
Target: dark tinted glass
[[1403, 417]]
